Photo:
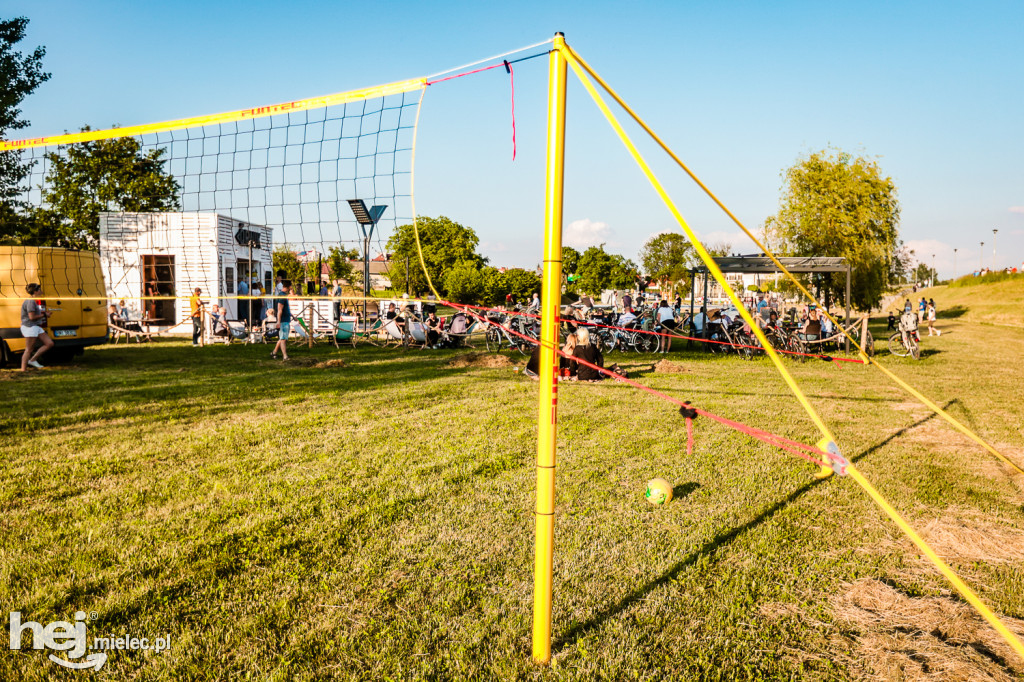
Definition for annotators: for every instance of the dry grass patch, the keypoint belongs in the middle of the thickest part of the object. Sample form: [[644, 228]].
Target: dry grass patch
[[669, 367], [926, 638], [975, 540], [479, 360]]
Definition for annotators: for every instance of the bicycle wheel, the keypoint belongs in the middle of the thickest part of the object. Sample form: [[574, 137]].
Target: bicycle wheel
[[869, 345], [914, 347], [644, 343], [896, 346], [492, 340]]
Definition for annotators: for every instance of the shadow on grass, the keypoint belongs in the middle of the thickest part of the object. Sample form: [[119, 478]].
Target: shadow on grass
[[951, 313], [681, 491], [166, 380], [574, 633]]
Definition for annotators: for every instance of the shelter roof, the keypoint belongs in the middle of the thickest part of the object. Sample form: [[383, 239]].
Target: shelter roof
[[763, 264]]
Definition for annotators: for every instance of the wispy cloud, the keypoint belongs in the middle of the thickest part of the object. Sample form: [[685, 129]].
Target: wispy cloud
[[1017, 209], [582, 234]]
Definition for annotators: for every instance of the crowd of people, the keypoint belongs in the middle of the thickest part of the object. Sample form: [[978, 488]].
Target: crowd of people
[[926, 311]]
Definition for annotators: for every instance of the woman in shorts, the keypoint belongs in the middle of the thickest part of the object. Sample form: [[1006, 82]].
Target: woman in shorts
[[33, 319]]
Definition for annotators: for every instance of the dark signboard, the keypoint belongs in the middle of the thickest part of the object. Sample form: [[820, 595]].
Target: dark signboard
[[243, 237]]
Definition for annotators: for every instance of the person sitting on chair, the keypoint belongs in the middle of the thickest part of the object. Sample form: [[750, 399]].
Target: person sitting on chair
[[587, 351], [811, 329], [433, 326], [114, 317], [392, 314], [219, 320]]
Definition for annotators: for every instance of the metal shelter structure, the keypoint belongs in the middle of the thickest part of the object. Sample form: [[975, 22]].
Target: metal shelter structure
[[761, 264]]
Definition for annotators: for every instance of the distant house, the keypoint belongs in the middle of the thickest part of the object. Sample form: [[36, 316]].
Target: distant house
[[380, 270], [172, 253]]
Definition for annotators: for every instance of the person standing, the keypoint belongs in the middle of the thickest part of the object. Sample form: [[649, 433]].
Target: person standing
[[196, 305], [33, 323], [667, 320], [284, 319], [243, 303], [931, 321], [922, 307]]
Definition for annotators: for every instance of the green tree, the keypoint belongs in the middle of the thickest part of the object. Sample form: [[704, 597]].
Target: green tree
[[105, 175], [625, 274], [284, 258], [445, 243], [570, 263], [667, 257], [521, 283], [599, 270], [20, 75], [495, 287], [923, 273], [340, 265], [840, 205], [465, 283]]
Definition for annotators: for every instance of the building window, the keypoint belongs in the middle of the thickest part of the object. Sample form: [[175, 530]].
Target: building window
[[229, 280]]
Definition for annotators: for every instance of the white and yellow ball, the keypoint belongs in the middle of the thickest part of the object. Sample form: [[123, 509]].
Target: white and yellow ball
[[659, 491]]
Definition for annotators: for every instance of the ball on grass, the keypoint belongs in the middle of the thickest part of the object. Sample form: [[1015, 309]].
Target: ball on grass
[[659, 491]]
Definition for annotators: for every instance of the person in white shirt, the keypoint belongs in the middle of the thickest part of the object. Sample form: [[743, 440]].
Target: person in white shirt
[[667, 320], [931, 322]]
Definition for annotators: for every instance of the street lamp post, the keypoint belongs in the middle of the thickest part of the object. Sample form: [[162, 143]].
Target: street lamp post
[[994, 249], [934, 276], [981, 258], [367, 220], [954, 262]]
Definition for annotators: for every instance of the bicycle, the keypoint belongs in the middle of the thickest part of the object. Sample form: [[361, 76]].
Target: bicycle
[[906, 343]]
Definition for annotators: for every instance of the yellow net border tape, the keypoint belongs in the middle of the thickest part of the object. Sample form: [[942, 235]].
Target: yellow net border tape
[[226, 117]]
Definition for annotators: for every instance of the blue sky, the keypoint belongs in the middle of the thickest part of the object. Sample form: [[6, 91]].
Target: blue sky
[[740, 90]]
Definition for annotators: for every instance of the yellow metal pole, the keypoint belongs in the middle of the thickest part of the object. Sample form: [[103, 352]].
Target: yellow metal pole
[[547, 406]]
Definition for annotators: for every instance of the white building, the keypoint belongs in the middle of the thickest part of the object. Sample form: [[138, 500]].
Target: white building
[[170, 254]]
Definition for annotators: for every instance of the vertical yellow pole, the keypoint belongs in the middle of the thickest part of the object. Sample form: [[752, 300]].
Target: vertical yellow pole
[[547, 407]]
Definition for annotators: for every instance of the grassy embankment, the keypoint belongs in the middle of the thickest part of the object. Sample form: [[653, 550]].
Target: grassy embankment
[[375, 520]]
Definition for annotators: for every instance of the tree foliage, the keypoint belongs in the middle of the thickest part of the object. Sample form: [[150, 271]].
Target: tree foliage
[[834, 204], [599, 270], [464, 283], [445, 243], [284, 258], [20, 75], [90, 177], [667, 258], [522, 284], [340, 265]]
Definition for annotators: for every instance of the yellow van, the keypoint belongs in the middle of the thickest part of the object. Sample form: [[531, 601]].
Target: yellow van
[[77, 322]]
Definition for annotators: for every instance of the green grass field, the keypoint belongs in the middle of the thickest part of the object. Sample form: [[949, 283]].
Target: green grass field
[[375, 520]]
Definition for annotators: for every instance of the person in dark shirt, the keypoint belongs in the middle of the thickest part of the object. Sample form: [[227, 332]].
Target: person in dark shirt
[[284, 317], [433, 325], [892, 322], [590, 353]]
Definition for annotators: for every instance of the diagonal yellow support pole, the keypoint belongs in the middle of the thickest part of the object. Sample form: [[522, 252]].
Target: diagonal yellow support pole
[[807, 294], [705, 256], [547, 405]]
